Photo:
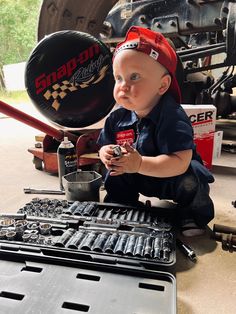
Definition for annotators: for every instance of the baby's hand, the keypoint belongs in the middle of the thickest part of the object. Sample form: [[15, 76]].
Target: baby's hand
[[129, 162], [106, 153]]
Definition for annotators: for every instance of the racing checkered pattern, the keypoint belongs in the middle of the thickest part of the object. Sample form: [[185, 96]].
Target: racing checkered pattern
[[60, 91]]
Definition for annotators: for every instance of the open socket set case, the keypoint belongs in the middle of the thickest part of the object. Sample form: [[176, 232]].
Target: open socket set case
[[128, 253]]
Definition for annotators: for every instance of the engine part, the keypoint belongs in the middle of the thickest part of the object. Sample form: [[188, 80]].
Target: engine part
[[228, 240], [90, 21], [224, 229]]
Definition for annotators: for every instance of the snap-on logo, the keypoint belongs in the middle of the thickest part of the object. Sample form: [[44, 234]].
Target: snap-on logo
[[201, 117], [45, 80], [126, 136]]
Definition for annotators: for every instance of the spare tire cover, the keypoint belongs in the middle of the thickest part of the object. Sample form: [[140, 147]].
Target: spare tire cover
[[69, 78]]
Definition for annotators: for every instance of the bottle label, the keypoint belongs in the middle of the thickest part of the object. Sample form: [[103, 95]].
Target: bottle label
[[70, 163], [67, 162]]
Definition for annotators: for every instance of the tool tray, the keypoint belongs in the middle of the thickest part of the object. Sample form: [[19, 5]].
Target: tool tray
[[45, 286], [111, 233], [110, 258]]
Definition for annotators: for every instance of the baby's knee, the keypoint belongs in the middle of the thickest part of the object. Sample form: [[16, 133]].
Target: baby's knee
[[188, 184]]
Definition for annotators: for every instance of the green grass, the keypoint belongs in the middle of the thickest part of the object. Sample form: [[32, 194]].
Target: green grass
[[16, 97]]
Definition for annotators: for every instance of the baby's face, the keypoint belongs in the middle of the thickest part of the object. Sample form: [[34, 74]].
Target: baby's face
[[138, 80]]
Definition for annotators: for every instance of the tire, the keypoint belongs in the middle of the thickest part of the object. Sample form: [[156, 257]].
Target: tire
[[85, 16], [38, 163]]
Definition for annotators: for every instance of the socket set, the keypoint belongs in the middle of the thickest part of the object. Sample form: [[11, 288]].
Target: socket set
[[105, 229], [26, 231], [63, 209], [148, 243], [44, 207], [89, 246], [157, 245]]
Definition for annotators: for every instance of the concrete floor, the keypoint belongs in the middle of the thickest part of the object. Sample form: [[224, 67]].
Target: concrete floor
[[209, 286]]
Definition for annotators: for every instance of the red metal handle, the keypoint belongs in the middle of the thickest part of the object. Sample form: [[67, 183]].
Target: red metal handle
[[35, 123]]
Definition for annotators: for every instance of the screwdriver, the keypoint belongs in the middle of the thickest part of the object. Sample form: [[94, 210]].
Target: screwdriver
[[186, 250]]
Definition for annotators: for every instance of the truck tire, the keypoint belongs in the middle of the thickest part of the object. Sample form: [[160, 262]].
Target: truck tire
[[82, 15]]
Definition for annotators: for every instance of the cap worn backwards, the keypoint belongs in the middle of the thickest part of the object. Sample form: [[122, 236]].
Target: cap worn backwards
[[157, 47]]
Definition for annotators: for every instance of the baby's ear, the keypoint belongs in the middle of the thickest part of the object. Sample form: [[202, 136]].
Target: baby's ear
[[165, 84]]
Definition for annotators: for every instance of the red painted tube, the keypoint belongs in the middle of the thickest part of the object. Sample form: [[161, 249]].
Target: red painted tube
[[35, 123]]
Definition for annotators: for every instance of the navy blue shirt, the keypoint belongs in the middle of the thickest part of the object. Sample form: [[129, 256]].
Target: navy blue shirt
[[165, 130]]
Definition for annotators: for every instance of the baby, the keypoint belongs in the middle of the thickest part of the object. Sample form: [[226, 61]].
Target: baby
[[159, 157]]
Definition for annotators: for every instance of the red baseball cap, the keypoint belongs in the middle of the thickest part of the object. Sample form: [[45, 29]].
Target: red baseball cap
[[157, 47]]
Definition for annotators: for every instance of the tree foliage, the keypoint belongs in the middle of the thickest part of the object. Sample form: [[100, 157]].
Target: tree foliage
[[18, 29]]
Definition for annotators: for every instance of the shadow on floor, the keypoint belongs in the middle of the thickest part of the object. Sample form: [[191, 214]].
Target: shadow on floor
[[202, 245]]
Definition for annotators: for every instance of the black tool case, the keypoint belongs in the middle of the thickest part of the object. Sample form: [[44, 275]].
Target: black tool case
[[104, 258]]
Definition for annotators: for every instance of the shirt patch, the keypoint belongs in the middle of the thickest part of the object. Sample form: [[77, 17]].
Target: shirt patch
[[126, 136]]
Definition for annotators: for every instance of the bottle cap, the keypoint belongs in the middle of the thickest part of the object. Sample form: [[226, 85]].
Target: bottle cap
[[66, 141]]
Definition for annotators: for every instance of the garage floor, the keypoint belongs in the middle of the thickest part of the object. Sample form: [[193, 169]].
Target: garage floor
[[209, 286]]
